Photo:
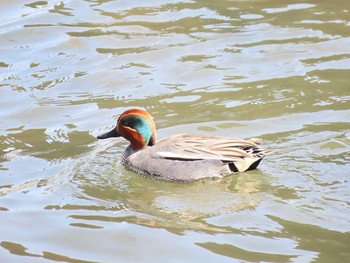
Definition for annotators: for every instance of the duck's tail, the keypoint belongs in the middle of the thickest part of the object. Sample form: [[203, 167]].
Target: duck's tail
[[251, 163]]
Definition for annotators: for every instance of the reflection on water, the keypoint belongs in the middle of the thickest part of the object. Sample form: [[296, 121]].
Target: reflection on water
[[279, 71]]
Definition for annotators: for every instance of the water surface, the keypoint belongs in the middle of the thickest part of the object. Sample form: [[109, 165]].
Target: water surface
[[279, 71]]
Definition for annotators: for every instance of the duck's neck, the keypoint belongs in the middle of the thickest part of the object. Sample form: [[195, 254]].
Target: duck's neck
[[129, 151], [138, 142]]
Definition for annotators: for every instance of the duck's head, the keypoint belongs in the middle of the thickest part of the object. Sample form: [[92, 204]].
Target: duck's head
[[137, 126]]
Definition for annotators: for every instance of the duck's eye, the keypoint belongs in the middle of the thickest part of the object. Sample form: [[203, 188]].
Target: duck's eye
[[127, 123]]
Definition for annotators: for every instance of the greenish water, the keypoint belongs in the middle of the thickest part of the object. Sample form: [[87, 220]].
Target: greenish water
[[270, 69]]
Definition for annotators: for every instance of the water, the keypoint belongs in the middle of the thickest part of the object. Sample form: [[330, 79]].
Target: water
[[279, 71]]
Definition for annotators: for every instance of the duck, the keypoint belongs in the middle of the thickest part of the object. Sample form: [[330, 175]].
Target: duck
[[181, 157]]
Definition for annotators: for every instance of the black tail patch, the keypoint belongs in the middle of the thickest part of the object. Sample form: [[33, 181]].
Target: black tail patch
[[233, 167], [254, 165]]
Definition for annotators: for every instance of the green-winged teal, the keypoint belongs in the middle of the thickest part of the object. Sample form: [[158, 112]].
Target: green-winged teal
[[182, 157]]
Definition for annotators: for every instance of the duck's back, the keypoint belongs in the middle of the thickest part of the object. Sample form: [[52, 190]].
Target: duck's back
[[192, 157]]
